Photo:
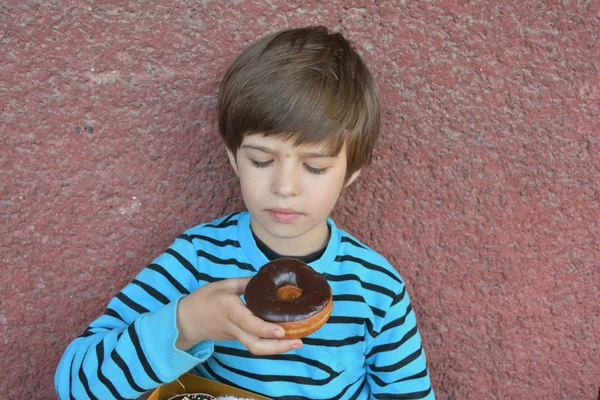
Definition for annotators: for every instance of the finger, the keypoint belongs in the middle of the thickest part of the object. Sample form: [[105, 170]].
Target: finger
[[236, 285], [262, 347], [249, 323]]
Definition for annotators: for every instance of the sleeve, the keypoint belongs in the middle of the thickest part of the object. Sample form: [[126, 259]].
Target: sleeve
[[396, 363], [130, 349]]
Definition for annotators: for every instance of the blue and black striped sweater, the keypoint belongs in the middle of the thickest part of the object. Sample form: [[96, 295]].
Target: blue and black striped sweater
[[370, 345]]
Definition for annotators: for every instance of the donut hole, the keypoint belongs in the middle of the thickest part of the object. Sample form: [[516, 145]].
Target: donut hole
[[288, 293]]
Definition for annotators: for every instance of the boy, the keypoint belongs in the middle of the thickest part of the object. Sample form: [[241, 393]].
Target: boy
[[299, 115]]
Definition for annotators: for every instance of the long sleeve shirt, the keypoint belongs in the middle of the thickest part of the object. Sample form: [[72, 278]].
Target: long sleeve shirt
[[369, 346]]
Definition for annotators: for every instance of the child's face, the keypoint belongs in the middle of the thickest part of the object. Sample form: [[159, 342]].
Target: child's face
[[289, 191]]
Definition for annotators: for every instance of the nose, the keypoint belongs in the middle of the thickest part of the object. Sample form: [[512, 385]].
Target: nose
[[286, 181]]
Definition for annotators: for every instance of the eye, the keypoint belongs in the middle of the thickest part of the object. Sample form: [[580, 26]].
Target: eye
[[313, 170], [261, 164]]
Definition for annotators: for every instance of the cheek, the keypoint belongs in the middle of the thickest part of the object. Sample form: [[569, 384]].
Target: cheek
[[327, 193], [332, 196], [248, 186], [251, 186]]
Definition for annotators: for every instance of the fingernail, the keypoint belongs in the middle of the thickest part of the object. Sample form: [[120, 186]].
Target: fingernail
[[279, 333], [297, 346]]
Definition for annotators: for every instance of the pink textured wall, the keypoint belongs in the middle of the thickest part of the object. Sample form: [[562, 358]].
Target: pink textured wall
[[484, 191]]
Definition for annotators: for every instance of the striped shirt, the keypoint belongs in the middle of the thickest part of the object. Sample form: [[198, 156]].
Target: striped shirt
[[370, 345]]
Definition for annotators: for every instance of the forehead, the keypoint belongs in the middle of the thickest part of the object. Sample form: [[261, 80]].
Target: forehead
[[292, 144]]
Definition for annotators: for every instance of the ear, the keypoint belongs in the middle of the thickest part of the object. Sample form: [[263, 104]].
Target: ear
[[352, 178], [232, 161]]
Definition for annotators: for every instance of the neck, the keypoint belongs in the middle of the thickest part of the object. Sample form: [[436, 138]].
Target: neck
[[310, 242]]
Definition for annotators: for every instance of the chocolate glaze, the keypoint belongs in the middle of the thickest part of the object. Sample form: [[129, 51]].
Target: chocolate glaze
[[261, 291]]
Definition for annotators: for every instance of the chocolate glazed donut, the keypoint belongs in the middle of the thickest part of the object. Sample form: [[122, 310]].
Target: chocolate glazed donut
[[289, 293]]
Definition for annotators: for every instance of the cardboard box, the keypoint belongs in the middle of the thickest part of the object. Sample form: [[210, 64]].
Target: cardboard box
[[195, 384]]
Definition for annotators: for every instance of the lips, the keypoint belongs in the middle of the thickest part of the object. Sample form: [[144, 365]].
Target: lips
[[284, 215]]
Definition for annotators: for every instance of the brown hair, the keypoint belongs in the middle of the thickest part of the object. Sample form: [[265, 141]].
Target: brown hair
[[306, 84]]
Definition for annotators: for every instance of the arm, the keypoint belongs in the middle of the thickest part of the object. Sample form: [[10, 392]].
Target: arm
[[131, 348], [396, 362], [160, 326]]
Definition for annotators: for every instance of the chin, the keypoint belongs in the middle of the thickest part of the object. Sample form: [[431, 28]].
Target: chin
[[284, 232]]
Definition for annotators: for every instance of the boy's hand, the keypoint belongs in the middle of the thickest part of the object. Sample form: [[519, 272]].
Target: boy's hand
[[216, 312]]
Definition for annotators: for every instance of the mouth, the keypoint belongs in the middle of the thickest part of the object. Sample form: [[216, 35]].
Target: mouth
[[284, 215]]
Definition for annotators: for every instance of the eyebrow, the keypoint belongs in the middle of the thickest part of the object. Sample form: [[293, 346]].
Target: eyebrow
[[304, 154]]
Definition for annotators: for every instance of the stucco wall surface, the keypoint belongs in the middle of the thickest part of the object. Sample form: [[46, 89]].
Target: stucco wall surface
[[484, 190]]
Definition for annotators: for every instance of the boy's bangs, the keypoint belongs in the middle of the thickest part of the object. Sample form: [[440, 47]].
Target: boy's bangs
[[315, 108]]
